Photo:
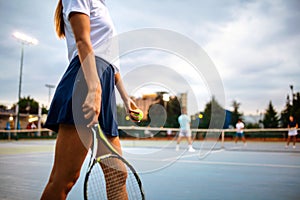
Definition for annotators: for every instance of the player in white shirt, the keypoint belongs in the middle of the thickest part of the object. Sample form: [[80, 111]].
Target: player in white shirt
[[185, 131], [240, 132]]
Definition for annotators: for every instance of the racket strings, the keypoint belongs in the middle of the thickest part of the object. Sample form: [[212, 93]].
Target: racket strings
[[113, 180], [115, 175], [95, 183]]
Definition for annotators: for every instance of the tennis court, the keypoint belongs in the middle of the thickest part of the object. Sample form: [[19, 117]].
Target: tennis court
[[262, 170]]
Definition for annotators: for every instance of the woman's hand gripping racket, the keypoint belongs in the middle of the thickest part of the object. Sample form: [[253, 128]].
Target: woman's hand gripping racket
[[110, 176]]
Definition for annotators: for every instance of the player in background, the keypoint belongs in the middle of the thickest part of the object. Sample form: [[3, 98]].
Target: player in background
[[293, 126], [185, 131], [240, 132]]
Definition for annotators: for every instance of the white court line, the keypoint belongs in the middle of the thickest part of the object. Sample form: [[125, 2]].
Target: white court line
[[239, 164], [220, 163], [193, 155], [178, 159]]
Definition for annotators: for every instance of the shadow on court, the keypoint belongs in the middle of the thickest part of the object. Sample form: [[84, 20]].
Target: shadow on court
[[235, 172]]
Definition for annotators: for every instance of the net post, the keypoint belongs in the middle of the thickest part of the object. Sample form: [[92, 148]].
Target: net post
[[50, 133], [223, 138]]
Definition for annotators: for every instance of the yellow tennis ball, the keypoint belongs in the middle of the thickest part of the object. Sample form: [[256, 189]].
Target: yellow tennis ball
[[140, 115]]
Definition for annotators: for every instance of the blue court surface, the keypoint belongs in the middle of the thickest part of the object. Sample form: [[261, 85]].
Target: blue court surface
[[259, 171]]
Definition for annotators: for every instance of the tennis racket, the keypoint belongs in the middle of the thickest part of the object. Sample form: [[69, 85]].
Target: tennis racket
[[110, 176]]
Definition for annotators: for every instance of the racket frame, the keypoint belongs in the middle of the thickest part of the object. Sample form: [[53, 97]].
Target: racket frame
[[96, 130]]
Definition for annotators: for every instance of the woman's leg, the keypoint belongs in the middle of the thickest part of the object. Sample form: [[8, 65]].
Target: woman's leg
[[244, 139], [236, 138], [294, 140], [70, 153], [288, 140]]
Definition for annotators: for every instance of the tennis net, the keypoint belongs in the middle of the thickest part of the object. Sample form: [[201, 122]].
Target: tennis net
[[203, 139], [272, 140]]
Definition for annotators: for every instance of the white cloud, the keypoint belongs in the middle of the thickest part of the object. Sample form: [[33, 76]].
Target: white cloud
[[253, 56]]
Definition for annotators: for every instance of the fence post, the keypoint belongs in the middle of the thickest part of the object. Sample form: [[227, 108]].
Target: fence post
[[39, 121], [223, 138]]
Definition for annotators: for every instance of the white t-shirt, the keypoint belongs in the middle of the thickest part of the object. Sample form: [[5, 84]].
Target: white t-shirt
[[184, 122], [239, 127], [101, 25]]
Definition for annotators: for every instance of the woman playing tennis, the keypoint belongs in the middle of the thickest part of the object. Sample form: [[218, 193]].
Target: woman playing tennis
[[85, 24]]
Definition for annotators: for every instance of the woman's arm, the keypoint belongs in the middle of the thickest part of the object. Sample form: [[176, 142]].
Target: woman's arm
[[81, 28], [128, 102], [121, 88]]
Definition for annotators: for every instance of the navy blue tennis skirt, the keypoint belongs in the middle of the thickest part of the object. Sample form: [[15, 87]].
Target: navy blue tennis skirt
[[66, 106]]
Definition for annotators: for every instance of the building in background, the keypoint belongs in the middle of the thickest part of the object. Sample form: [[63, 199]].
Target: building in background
[[145, 102], [183, 100]]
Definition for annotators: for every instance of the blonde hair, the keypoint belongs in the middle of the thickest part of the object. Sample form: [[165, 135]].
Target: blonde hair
[[59, 20]]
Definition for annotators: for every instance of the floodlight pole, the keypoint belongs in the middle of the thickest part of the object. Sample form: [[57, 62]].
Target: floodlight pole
[[20, 86], [292, 91], [23, 39], [49, 95]]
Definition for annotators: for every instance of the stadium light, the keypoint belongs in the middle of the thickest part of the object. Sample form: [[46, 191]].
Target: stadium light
[[166, 99], [49, 95], [24, 40]]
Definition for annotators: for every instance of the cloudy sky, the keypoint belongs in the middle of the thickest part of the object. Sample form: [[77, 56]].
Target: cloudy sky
[[254, 46]]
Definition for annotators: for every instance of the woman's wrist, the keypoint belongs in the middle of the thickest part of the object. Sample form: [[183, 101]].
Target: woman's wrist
[[94, 87]]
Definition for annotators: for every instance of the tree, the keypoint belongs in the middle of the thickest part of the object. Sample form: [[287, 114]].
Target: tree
[[121, 115], [296, 108], [173, 110], [3, 107], [235, 115], [44, 110], [270, 119], [292, 107], [27, 105], [286, 112], [213, 108]]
